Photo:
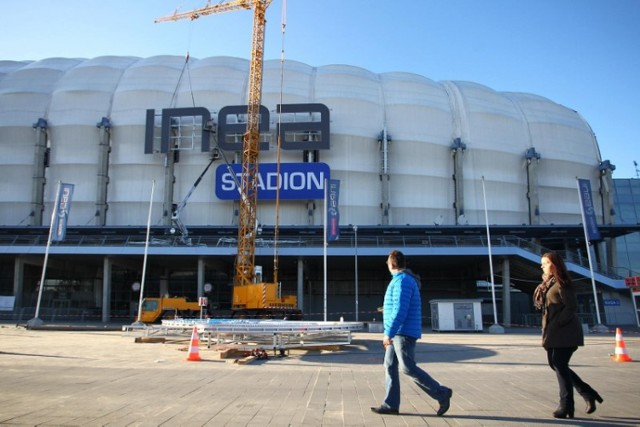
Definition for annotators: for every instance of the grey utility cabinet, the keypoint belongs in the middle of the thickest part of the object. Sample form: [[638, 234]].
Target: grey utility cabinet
[[456, 314]]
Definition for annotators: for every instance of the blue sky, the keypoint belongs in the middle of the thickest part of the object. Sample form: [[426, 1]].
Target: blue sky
[[584, 54]]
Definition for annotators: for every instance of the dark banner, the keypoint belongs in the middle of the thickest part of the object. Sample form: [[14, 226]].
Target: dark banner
[[333, 214], [588, 210], [63, 205]]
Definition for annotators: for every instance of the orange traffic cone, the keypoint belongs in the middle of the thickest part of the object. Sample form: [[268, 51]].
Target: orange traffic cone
[[621, 350], [194, 346]]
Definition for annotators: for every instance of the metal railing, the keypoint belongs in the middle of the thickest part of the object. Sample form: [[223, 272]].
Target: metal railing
[[382, 241]]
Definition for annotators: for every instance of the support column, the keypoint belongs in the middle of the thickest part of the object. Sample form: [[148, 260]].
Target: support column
[[610, 253], [300, 283], [385, 177], [310, 156], [506, 293], [106, 289], [169, 180], [40, 163], [18, 282], [235, 218], [201, 268], [533, 158], [104, 148], [164, 283], [457, 151], [171, 158]]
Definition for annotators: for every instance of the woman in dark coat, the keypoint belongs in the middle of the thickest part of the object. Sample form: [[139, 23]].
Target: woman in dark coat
[[562, 333]]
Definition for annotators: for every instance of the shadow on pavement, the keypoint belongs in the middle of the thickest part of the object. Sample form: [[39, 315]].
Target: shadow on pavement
[[582, 422], [40, 355], [370, 351]]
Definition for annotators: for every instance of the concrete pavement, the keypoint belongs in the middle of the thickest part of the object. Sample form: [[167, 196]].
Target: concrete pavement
[[105, 378]]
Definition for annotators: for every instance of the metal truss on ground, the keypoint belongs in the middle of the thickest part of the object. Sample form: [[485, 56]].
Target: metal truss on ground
[[278, 335]]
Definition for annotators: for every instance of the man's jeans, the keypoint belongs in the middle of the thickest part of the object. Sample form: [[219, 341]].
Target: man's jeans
[[401, 356]]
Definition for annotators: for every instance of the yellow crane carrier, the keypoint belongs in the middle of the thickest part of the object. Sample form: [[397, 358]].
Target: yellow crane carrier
[[156, 309]]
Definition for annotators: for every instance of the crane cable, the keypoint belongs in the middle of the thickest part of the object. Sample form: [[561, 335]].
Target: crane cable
[[283, 20], [186, 67], [173, 104]]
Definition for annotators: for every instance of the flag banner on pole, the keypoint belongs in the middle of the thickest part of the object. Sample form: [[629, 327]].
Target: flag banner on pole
[[588, 210], [333, 215], [62, 212]]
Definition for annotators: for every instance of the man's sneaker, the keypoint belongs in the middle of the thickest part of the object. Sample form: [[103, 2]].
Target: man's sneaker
[[445, 403]]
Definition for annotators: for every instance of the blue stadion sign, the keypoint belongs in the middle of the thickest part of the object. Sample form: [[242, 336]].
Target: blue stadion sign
[[298, 181]]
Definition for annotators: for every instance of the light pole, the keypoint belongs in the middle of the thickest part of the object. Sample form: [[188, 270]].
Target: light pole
[[495, 328], [355, 231]]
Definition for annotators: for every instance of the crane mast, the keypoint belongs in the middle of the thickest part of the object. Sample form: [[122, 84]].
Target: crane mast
[[247, 222]]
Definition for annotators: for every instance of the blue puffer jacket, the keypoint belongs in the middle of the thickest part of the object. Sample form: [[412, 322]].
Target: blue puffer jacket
[[402, 308]]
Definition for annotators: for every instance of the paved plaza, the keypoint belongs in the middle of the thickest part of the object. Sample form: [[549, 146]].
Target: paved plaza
[[106, 378]]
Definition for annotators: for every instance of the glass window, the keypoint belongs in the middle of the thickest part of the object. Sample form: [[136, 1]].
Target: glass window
[[149, 305], [626, 214], [625, 198], [622, 186]]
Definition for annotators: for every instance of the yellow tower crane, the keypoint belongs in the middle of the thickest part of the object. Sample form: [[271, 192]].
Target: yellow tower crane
[[249, 295]]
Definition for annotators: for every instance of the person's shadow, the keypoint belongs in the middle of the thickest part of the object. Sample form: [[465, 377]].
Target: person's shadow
[[369, 351], [600, 422]]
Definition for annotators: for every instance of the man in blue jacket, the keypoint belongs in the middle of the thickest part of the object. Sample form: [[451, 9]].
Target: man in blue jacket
[[402, 318]]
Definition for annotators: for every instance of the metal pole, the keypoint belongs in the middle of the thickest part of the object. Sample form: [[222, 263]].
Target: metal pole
[[355, 231], [586, 242], [36, 320], [493, 289], [635, 306], [324, 216], [146, 250]]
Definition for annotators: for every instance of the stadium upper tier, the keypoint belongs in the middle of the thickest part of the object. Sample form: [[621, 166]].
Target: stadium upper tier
[[393, 142]]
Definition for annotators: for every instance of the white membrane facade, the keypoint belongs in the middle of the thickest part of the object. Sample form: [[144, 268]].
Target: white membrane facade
[[421, 117]]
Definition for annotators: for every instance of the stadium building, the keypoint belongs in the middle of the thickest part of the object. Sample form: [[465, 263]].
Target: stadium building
[[472, 184]]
